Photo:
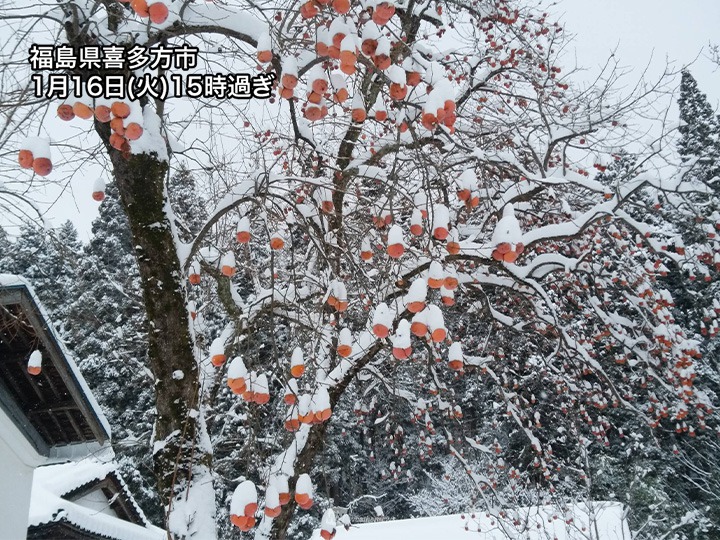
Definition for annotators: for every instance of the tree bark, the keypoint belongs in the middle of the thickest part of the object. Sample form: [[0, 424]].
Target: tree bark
[[140, 181]]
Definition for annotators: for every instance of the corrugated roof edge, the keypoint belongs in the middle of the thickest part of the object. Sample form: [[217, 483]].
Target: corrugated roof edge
[[64, 478], [88, 520]]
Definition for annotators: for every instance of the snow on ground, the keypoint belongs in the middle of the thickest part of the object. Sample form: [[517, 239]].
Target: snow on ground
[[594, 521], [52, 483]]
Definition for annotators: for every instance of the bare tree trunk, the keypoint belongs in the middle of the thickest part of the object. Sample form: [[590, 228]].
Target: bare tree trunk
[[140, 180], [141, 183]]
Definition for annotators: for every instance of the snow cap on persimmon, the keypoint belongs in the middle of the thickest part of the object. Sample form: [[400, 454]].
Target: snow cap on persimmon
[[261, 387], [237, 375], [382, 320], [401, 341], [289, 72], [98, 192], [227, 264], [440, 221], [321, 405], [345, 343], [447, 296], [358, 108], [339, 86], [297, 363], [455, 356], [264, 48], [507, 237], [416, 295], [436, 275], [366, 251], [436, 323], [291, 392], [217, 352], [35, 154], [370, 34], [272, 501], [396, 242], [242, 231], [34, 366], [243, 505], [467, 182], [328, 524], [418, 326], [416, 222], [304, 491], [379, 109]]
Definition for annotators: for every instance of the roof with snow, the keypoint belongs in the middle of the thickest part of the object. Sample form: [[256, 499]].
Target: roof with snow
[[55, 409], [86, 499], [606, 520]]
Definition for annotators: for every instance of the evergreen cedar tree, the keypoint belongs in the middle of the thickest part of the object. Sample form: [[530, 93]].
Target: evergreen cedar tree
[[553, 334], [92, 295]]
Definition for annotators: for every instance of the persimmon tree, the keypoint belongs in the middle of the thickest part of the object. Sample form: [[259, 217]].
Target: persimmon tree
[[416, 210]]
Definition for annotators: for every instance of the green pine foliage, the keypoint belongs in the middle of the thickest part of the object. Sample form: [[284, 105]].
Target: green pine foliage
[[670, 479], [108, 334]]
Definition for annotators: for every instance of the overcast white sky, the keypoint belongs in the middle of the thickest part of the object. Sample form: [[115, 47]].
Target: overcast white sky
[[637, 30]]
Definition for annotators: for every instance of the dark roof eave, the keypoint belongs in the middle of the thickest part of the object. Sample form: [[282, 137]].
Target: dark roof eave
[[20, 294]]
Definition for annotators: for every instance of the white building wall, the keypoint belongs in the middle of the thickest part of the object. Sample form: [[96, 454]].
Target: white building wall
[[15, 486], [97, 501], [18, 459]]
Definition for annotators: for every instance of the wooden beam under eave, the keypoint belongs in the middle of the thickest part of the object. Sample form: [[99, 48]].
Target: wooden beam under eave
[[58, 359]]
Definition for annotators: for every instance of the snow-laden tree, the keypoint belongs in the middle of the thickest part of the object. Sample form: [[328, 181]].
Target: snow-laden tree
[[678, 494], [414, 215], [699, 127], [107, 333], [188, 204], [5, 249], [49, 260]]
